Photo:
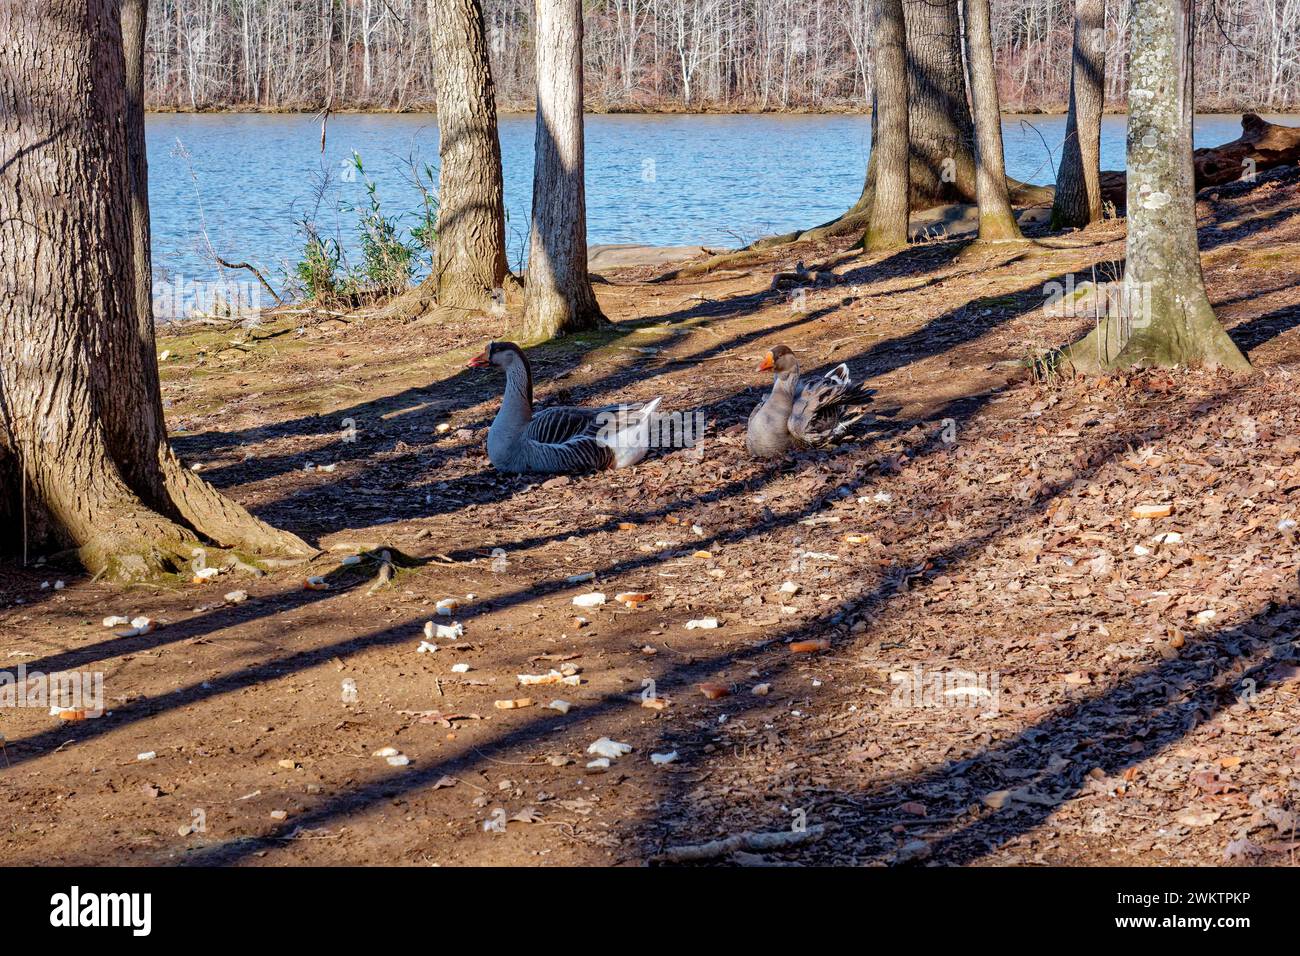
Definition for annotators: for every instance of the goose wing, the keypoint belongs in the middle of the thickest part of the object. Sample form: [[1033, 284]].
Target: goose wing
[[578, 454], [564, 439], [820, 407], [560, 424]]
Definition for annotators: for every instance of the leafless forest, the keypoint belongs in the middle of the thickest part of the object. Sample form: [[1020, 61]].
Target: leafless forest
[[668, 54]]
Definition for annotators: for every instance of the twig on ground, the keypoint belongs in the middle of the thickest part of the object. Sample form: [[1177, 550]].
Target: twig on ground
[[742, 842]]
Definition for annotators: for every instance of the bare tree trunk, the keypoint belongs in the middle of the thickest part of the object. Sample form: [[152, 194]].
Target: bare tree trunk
[[558, 295], [940, 128], [1167, 319], [889, 137], [942, 132], [997, 221], [471, 236], [1078, 182], [79, 413]]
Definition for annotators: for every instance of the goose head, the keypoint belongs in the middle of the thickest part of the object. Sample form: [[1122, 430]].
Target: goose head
[[500, 354], [510, 359], [781, 360]]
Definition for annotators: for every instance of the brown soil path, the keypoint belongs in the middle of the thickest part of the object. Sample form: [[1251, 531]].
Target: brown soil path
[[1148, 710]]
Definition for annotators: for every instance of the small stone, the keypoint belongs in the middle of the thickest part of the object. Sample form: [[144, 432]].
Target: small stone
[[1152, 511]]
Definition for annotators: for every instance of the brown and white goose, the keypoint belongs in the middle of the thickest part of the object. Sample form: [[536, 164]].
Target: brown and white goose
[[562, 439], [804, 413]]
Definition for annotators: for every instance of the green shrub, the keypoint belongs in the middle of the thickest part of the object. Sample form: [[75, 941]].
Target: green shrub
[[318, 270], [387, 260]]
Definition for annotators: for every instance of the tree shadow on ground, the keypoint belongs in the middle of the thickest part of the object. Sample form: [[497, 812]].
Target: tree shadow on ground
[[33, 747], [871, 600], [952, 328], [1253, 333]]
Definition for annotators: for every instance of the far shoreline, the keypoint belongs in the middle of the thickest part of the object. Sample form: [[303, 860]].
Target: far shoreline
[[846, 110]]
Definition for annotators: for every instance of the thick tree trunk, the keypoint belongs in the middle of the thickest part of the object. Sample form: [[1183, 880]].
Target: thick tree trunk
[[887, 228], [942, 131], [141, 445], [1078, 181], [1167, 317], [470, 259], [80, 412], [558, 295], [997, 221]]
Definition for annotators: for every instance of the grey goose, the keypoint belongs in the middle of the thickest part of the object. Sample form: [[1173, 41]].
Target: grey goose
[[562, 439], [802, 413]]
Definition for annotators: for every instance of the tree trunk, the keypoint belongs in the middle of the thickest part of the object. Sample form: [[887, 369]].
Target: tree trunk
[[889, 136], [941, 134], [1078, 181], [1167, 319], [470, 259], [80, 409], [941, 130], [997, 221], [558, 295]]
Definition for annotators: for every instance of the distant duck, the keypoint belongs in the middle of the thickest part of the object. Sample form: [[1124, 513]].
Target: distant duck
[[802, 414], [560, 439]]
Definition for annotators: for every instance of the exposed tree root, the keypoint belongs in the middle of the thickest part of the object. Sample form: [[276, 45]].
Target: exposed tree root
[[138, 548], [1198, 345], [727, 260], [858, 217], [742, 842], [421, 300], [223, 520]]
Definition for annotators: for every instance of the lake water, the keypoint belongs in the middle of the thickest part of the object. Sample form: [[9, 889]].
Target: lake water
[[243, 180]]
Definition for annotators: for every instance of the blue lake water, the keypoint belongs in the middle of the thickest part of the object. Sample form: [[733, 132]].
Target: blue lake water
[[243, 180]]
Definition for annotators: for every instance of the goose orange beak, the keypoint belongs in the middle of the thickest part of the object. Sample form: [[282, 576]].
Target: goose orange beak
[[767, 363], [480, 360]]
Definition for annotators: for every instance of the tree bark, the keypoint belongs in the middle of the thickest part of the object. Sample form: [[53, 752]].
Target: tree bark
[[470, 262], [1078, 180], [1167, 319], [942, 131], [558, 296], [887, 228], [80, 408], [997, 221]]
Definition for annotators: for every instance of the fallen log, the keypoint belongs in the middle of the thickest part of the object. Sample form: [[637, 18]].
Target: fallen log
[[1262, 145]]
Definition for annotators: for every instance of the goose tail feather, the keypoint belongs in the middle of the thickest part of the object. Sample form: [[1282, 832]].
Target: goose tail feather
[[630, 440]]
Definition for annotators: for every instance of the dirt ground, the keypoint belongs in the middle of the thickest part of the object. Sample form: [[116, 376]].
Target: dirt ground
[[1138, 701]]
